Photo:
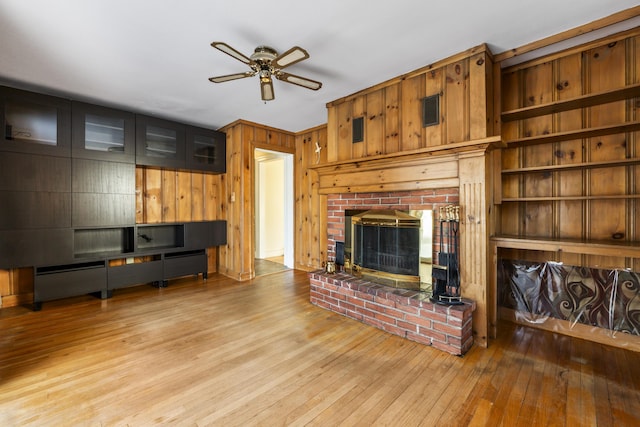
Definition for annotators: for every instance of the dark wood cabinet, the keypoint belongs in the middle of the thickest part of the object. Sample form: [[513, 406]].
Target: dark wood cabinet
[[206, 150], [103, 193], [29, 247], [34, 123], [102, 133], [160, 143], [68, 191]]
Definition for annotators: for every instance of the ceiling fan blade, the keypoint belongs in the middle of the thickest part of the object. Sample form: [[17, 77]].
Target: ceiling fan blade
[[300, 81], [231, 52], [266, 89], [222, 79], [290, 57]]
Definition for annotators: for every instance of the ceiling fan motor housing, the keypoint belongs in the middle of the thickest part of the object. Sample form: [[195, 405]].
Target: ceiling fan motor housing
[[264, 54]]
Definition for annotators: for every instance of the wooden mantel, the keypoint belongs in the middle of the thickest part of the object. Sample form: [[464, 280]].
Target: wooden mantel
[[464, 166], [432, 167]]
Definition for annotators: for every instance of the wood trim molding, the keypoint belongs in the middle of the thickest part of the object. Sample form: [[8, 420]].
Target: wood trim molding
[[582, 30]]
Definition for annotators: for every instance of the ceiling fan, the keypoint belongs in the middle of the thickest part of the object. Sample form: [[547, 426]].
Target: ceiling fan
[[266, 63]]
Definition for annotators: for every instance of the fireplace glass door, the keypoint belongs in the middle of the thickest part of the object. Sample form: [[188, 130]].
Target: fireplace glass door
[[389, 249]]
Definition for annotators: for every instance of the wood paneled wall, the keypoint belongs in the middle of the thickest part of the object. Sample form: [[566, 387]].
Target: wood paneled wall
[[237, 200], [597, 204], [310, 205], [392, 110]]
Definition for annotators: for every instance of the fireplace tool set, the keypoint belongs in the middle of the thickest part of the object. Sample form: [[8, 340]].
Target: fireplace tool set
[[446, 274]]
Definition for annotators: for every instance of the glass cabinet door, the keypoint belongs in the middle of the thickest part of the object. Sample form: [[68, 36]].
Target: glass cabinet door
[[34, 123], [31, 123], [160, 142], [102, 133], [206, 150]]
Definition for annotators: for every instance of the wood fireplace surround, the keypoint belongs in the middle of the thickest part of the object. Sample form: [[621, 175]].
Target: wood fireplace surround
[[428, 178]]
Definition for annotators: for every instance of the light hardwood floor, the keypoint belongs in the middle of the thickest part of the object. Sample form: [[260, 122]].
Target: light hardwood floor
[[258, 353]]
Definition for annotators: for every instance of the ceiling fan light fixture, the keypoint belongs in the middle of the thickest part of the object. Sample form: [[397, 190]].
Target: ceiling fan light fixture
[[266, 89]]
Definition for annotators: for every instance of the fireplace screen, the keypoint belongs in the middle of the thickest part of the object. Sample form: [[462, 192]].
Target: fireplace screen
[[387, 242]]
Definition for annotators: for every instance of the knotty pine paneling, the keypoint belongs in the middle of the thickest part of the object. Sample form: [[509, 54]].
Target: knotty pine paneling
[[237, 192], [600, 66], [310, 206], [464, 84]]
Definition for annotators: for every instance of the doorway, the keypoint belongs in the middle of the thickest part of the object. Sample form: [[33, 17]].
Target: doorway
[[273, 211]]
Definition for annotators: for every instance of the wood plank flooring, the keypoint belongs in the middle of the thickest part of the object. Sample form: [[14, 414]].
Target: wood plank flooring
[[227, 353]]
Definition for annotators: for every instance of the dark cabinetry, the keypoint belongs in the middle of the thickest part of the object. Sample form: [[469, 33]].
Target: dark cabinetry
[[160, 143], [67, 191], [35, 217], [34, 123], [151, 253], [103, 133], [103, 193], [206, 150]]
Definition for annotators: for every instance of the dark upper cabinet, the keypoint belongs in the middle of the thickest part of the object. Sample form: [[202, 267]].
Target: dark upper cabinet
[[35, 123], [206, 150], [102, 133], [160, 143]]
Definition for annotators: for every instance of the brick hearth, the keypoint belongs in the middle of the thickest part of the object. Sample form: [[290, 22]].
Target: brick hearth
[[409, 314]]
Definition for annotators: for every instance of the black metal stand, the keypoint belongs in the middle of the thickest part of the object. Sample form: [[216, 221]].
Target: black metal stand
[[446, 274]]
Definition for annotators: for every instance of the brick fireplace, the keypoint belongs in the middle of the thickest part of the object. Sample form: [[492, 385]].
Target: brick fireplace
[[402, 312], [397, 200], [427, 178]]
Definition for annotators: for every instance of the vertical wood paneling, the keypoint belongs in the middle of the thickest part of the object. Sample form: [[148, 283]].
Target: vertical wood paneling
[[466, 109], [374, 123], [345, 131], [140, 192], [358, 109], [434, 82], [412, 94], [333, 128], [538, 83], [569, 219], [511, 99], [169, 196], [310, 244], [391, 119], [479, 105], [473, 240], [197, 196], [237, 193], [602, 66], [606, 70], [633, 206], [184, 196], [153, 202], [456, 101]]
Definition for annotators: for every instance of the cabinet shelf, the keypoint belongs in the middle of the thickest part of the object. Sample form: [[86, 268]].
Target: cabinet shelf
[[588, 100], [587, 247], [574, 134], [569, 166], [570, 198]]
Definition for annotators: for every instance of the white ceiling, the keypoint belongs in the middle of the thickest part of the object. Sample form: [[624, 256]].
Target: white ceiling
[[155, 57]]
